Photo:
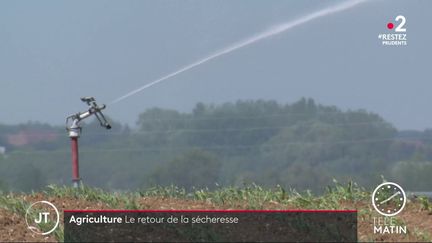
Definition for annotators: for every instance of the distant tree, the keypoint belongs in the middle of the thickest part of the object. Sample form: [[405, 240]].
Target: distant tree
[[301, 144], [94, 133], [157, 119], [199, 109], [3, 186], [413, 175], [195, 168], [29, 178]]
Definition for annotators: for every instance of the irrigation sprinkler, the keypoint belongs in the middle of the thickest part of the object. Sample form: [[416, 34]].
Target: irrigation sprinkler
[[74, 131]]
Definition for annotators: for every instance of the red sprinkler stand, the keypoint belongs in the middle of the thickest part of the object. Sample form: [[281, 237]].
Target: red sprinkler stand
[[75, 162], [74, 130]]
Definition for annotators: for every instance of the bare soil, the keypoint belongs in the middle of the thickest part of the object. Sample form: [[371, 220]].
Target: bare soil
[[13, 228]]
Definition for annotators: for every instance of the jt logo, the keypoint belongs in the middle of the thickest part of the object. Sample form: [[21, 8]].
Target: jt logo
[[42, 213], [45, 216]]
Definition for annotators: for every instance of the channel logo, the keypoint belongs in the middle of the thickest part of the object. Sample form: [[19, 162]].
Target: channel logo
[[42, 217], [401, 20], [396, 32], [388, 199]]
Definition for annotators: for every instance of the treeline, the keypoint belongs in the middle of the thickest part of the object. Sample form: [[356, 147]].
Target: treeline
[[302, 145]]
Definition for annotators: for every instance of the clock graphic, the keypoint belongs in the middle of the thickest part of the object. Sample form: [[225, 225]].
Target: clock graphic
[[388, 199]]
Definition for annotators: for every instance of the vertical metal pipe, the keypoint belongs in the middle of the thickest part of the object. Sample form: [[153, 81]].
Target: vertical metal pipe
[[75, 163]]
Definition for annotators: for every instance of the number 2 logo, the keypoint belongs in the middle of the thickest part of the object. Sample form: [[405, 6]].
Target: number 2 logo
[[400, 27]]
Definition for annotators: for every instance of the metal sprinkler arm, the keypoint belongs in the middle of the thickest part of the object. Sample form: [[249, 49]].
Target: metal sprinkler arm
[[74, 129], [72, 122]]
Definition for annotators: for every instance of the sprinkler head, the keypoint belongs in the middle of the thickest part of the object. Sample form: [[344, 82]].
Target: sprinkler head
[[87, 99]]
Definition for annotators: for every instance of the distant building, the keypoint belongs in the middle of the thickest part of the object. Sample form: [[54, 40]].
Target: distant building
[[30, 137], [2, 150]]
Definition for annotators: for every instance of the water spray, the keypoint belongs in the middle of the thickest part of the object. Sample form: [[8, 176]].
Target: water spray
[[275, 30], [74, 131]]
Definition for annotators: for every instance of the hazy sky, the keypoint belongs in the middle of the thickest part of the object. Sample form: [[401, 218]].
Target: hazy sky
[[54, 52]]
